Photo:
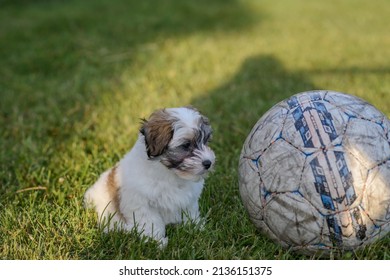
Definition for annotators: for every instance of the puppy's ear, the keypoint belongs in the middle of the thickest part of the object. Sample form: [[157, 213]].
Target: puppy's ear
[[206, 128], [158, 132]]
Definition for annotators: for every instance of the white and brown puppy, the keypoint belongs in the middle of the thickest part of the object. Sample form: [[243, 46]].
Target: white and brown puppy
[[160, 180]]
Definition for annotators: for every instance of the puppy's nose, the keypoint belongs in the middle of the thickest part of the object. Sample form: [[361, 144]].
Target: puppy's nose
[[206, 164]]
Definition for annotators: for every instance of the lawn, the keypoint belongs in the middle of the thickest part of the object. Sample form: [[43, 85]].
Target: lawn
[[77, 76]]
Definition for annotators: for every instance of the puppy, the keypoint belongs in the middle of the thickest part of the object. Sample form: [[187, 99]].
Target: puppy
[[161, 179]]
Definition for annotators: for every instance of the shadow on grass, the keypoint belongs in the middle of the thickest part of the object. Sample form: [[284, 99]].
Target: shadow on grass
[[235, 106], [233, 109]]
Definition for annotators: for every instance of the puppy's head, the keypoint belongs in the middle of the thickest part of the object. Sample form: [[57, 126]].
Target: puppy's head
[[179, 138]]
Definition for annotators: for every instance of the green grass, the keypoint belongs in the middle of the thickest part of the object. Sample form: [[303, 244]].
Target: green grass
[[76, 76]]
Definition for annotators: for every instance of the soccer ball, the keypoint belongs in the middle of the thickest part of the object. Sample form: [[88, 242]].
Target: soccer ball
[[314, 173]]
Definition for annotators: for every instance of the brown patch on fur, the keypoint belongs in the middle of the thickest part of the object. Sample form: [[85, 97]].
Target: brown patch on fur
[[158, 132], [113, 191]]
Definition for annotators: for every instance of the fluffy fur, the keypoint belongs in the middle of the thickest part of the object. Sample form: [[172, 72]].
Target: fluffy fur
[[161, 179]]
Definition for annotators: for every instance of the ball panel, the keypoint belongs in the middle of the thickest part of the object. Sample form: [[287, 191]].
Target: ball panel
[[266, 131], [354, 106], [376, 201], [386, 128], [367, 141], [333, 181], [289, 166], [312, 123], [293, 220], [250, 188], [358, 176]]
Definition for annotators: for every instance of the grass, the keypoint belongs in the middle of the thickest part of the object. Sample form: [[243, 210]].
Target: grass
[[76, 76]]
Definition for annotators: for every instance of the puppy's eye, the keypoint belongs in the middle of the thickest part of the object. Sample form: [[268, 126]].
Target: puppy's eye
[[186, 146]]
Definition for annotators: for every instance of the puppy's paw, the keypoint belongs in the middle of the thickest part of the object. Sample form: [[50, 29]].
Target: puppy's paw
[[200, 224], [162, 243]]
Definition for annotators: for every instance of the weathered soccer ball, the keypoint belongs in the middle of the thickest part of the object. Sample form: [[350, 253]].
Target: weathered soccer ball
[[314, 173]]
